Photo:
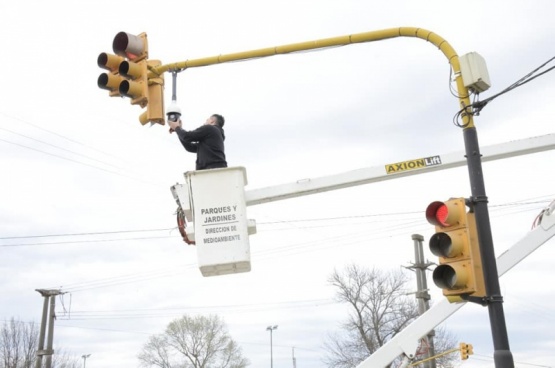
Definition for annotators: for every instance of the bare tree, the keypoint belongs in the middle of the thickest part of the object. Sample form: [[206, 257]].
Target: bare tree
[[19, 344], [193, 342], [380, 309]]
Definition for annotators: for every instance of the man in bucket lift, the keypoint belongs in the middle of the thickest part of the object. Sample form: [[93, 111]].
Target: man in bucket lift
[[207, 140]]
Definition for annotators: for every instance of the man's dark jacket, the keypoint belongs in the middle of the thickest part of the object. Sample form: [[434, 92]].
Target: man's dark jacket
[[208, 143]]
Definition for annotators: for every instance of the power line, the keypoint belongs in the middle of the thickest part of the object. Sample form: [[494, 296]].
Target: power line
[[59, 135], [87, 234], [291, 249], [476, 107], [316, 219], [479, 105], [87, 241], [78, 162], [161, 312], [61, 148], [72, 152], [365, 236]]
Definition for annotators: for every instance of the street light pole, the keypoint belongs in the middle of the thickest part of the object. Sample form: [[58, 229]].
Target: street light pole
[[85, 359], [271, 329]]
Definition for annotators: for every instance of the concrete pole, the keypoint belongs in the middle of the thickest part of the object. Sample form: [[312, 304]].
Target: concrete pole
[[42, 333], [50, 339], [49, 298]]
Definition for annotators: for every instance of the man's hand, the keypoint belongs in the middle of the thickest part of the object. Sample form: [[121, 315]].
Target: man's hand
[[173, 125]]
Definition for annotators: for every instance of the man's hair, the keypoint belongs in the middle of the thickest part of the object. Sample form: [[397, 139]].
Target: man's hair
[[219, 120]]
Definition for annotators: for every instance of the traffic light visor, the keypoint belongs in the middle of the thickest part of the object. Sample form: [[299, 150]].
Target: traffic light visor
[[109, 62], [129, 46], [451, 277]]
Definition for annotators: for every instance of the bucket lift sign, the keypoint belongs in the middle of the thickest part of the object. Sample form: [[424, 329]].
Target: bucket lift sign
[[215, 202]]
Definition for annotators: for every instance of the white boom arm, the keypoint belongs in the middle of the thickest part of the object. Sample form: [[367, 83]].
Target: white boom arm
[[396, 170], [406, 341]]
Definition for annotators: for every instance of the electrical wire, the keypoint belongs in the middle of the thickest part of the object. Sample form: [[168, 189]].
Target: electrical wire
[[542, 200], [59, 135], [62, 149], [476, 107], [79, 162], [168, 312], [364, 237], [133, 175]]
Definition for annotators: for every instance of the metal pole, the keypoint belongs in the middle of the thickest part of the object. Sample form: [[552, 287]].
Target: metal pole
[[174, 86], [85, 359], [422, 293], [271, 329], [502, 355], [271, 350]]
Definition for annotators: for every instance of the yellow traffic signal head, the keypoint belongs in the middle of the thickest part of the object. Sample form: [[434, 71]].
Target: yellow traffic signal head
[[453, 242], [465, 350], [135, 83], [132, 75], [110, 81]]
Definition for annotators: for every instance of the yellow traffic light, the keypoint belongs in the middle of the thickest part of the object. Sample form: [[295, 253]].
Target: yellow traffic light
[[130, 75], [465, 350], [112, 80], [455, 242], [135, 82], [134, 69], [155, 108]]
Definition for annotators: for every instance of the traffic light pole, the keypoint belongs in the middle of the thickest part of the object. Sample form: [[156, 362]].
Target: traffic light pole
[[502, 355]]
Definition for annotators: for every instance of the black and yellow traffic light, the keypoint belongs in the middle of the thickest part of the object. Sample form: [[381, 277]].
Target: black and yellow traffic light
[[465, 350], [130, 74], [455, 242]]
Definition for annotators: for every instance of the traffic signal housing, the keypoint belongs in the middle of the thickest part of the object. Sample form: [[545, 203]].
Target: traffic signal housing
[[155, 91], [465, 350], [130, 74], [455, 242]]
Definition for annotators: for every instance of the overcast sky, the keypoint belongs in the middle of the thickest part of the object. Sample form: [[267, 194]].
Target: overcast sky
[[85, 203]]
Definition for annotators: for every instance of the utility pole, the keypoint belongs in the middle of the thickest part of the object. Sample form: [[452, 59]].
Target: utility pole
[[294, 359], [422, 294], [49, 298]]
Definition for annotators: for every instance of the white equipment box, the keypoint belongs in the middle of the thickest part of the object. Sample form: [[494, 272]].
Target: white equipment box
[[221, 227]]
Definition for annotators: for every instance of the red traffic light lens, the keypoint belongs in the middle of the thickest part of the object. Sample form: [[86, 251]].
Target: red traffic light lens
[[441, 215], [437, 214]]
